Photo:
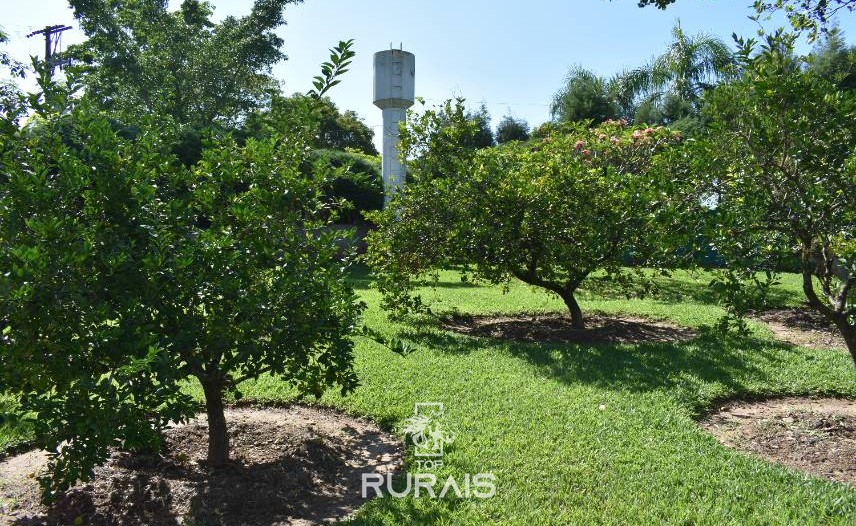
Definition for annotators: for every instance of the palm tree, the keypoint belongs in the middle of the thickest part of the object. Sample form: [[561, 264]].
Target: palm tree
[[585, 95], [679, 77]]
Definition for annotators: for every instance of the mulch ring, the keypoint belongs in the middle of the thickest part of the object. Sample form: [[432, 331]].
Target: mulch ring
[[555, 328], [817, 436], [296, 465], [802, 327]]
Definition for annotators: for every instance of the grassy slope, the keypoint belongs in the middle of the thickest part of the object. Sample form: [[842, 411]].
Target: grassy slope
[[531, 415]]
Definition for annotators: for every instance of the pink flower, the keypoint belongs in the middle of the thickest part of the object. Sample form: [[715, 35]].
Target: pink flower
[[649, 131], [614, 140], [586, 152], [579, 145]]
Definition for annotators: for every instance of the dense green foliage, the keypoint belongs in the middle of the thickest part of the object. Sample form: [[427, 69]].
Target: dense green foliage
[[357, 181], [439, 142], [128, 273], [780, 161], [331, 129], [549, 213]]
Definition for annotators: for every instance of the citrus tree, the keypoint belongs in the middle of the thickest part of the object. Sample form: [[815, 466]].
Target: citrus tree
[[549, 212], [780, 164], [126, 273]]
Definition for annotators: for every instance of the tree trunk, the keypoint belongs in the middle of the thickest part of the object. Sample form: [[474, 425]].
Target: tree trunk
[[218, 437], [841, 321], [849, 333], [577, 321]]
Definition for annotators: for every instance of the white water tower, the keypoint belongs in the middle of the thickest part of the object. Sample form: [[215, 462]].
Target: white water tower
[[394, 91]]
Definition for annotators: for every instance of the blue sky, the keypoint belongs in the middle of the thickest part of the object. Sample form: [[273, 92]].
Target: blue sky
[[512, 56]]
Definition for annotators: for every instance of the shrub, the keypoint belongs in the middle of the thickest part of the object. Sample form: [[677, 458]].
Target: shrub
[[358, 181]]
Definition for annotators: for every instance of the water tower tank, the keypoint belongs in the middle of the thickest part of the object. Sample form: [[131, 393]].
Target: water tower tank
[[394, 90], [394, 78]]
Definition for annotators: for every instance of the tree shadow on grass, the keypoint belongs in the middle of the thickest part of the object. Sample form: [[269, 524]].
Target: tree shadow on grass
[[732, 361], [360, 277], [670, 290]]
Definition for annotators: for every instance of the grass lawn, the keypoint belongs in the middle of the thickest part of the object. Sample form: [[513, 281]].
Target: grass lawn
[[584, 434]]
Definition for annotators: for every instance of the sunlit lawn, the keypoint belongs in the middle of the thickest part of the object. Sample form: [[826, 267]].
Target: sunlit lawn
[[584, 434]]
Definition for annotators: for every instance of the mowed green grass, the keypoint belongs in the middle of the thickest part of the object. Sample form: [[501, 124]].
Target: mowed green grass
[[589, 434], [531, 414]]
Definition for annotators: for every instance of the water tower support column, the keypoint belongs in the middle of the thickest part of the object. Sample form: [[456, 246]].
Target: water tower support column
[[393, 169]]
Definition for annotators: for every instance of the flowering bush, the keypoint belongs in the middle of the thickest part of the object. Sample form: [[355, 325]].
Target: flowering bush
[[548, 212]]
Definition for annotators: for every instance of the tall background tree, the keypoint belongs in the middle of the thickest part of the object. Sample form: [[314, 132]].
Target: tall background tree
[[584, 96], [833, 59], [672, 85], [483, 136], [511, 129], [142, 60]]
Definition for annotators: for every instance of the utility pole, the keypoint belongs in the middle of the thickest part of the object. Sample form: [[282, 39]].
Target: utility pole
[[50, 43]]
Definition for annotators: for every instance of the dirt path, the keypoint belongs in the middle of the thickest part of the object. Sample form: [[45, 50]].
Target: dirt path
[[802, 327]]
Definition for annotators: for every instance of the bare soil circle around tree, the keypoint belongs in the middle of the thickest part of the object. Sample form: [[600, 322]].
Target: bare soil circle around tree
[[556, 328], [816, 436], [803, 327], [295, 465]]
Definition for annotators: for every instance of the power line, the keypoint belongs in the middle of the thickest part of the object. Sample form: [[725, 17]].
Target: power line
[[509, 105], [52, 36]]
